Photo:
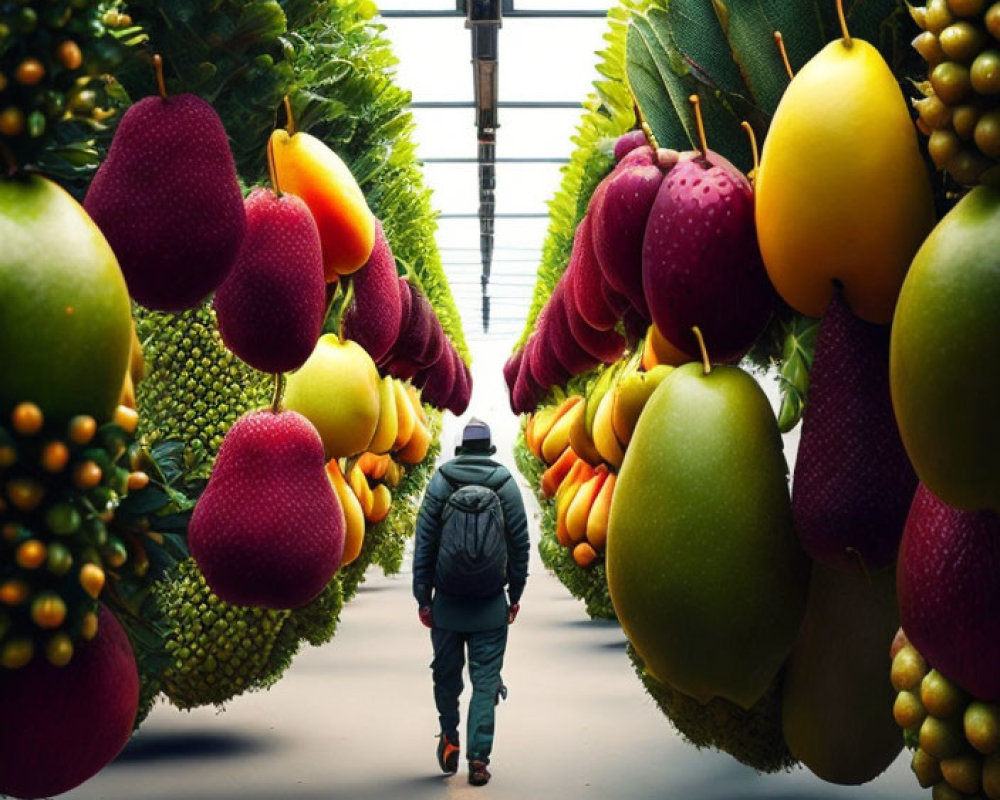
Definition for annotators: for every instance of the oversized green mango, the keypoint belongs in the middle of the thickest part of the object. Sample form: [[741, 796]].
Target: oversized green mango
[[704, 569], [65, 317], [943, 356], [837, 701]]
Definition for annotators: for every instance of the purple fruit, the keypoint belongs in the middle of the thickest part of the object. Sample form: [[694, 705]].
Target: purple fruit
[[853, 483], [700, 261], [437, 382], [597, 302], [405, 302], [374, 318], [628, 142], [271, 306], [268, 530], [949, 595], [511, 368], [606, 346], [415, 336], [526, 393], [619, 215], [545, 367], [567, 350], [461, 396], [436, 341], [168, 201]]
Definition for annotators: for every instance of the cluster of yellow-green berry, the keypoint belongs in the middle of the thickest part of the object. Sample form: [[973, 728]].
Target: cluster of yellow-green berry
[[955, 738], [59, 490], [960, 111], [53, 54], [218, 650]]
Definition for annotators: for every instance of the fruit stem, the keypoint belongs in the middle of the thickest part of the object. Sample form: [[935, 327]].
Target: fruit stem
[[272, 170], [780, 41], [279, 392], [348, 299], [702, 139], [289, 117], [161, 83], [704, 351], [646, 130], [753, 146], [843, 23], [332, 292]]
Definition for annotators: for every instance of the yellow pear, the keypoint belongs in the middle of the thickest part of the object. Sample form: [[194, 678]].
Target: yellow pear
[[388, 419], [337, 390], [843, 195]]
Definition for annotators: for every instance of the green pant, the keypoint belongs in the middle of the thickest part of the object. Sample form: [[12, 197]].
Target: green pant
[[486, 649]]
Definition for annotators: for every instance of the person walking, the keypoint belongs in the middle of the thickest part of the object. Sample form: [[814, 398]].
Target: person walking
[[471, 542]]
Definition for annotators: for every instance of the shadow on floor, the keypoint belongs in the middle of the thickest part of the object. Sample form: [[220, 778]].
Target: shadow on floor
[[146, 748]]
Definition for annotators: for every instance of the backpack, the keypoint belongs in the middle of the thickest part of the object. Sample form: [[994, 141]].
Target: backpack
[[472, 553]]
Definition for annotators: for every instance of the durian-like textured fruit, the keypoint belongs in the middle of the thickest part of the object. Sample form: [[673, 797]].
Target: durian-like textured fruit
[[195, 388], [64, 308], [168, 200], [945, 334], [960, 111], [853, 483], [268, 530], [835, 696], [59, 726], [842, 191], [271, 306], [218, 650], [700, 262], [949, 598], [373, 321]]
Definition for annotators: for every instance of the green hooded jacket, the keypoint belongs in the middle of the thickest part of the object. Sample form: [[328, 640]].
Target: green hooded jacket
[[468, 614]]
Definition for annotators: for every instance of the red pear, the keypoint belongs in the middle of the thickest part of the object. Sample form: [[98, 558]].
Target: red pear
[[373, 320]]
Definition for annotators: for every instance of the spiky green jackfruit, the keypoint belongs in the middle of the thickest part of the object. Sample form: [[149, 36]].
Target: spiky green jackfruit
[[194, 389], [751, 736], [219, 651]]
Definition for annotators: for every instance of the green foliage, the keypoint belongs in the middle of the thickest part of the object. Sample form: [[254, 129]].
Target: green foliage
[[51, 117], [609, 113], [589, 585], [796, 363], [751, 736]]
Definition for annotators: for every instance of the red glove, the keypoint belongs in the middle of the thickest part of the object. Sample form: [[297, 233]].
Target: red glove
[[512, 613], [425, 616]]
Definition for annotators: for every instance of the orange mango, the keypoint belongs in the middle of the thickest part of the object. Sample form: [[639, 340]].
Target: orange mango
[[416, 449], [394, 472], [359, 485], [584, 555], [597, 522], [555, 474], [418, 407], [556, 439], [374, 466], [381, 503], [579, 509], [577, 477], [306, 167], [354, 515], [545, 420]]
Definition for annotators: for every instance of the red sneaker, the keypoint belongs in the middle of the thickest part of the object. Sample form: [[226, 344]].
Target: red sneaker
[[478, 774]]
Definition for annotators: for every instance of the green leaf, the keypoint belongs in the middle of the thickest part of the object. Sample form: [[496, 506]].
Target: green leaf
[[793, 379]]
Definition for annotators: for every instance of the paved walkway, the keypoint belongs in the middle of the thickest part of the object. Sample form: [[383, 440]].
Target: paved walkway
[[355, 719]]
